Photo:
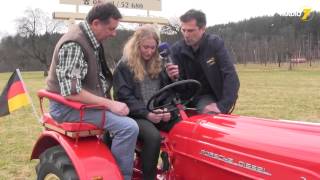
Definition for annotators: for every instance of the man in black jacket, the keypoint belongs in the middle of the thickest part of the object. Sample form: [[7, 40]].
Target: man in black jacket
[[203, 57]]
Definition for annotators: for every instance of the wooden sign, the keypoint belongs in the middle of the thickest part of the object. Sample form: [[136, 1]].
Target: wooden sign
[[154, 5]]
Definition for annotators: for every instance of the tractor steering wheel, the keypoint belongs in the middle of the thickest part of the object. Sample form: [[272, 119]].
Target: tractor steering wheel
[[173, 92]]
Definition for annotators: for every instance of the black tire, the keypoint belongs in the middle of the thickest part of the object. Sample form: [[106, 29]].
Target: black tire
[[54, 162]]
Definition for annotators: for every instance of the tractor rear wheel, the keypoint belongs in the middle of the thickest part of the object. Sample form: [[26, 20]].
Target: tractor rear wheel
[[55, 165]]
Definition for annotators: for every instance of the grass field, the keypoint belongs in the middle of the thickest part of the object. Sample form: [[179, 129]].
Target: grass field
[[269, 92]]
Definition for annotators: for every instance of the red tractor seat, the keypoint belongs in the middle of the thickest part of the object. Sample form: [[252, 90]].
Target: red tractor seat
[[71, 129]]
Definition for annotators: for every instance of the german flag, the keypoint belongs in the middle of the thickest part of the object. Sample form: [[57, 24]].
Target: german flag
[[14, 95]]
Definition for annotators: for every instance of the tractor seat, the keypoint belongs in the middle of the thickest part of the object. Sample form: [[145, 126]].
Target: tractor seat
[[71, 129]]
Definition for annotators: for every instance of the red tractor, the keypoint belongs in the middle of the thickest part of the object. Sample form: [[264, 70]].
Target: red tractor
[[199, 147]]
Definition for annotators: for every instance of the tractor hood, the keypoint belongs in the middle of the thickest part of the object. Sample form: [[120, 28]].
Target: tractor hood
[[254, 147]]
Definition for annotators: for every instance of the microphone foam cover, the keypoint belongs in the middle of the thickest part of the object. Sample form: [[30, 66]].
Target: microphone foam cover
[[164, 49]]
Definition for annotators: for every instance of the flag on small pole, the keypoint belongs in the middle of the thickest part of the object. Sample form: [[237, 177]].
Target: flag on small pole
[[14, 95]]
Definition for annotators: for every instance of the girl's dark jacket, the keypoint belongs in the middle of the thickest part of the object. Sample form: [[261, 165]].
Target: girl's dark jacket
[[127, 89]]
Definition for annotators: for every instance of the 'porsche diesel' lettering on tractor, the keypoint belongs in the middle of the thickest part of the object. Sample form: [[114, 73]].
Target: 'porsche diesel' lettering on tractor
[[231, 161]]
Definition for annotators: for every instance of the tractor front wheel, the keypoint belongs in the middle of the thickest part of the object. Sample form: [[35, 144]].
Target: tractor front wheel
[[55, 165]]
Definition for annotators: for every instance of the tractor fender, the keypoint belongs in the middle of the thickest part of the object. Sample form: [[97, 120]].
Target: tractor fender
[[91, 158]]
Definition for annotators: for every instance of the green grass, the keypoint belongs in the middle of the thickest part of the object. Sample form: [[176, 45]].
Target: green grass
[[269, 92], [277, 93], [18, 133]]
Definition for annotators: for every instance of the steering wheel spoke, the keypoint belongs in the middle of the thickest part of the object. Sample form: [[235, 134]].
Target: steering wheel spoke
[[169, 96]]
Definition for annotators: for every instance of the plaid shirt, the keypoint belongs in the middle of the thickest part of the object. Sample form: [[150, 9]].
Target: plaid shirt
[[72, 67]]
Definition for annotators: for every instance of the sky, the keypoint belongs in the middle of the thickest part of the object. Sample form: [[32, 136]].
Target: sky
[[217, 12]]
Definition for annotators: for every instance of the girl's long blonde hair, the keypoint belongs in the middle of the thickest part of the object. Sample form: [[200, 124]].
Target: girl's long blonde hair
[[133, 56]]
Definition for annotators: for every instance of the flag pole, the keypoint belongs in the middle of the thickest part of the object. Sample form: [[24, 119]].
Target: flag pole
[[25, 88]]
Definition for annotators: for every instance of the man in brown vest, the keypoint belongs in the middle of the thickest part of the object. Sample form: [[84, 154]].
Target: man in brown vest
[[79, 72]]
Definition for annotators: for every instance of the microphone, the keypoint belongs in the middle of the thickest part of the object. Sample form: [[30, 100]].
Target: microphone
[[164, 52]]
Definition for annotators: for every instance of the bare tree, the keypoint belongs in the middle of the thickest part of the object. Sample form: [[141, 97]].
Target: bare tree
[[41, 33], [172, 31]]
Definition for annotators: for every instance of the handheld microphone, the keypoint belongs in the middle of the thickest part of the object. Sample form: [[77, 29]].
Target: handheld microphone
[[164, 52]]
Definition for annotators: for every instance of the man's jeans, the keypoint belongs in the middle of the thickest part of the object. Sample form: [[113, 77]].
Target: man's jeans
[[124, 130], [203, 101]]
